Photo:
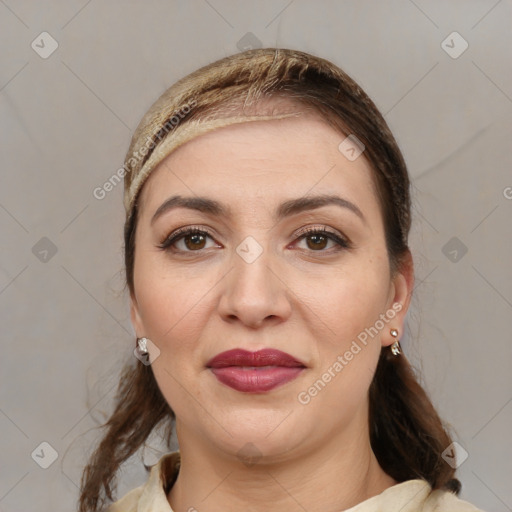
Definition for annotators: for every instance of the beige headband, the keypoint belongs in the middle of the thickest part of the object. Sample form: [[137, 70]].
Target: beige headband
[[177, 137]]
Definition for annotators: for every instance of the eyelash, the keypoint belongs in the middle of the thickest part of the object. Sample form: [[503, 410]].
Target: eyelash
[[174, 237]]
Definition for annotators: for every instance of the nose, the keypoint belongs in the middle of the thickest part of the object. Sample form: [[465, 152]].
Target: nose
[[255, 293]]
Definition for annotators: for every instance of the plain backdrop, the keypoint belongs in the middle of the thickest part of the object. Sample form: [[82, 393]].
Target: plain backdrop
[[76, 77]]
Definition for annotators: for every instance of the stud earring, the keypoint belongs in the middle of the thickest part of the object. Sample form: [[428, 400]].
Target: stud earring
[[396, 349], [142, 344]]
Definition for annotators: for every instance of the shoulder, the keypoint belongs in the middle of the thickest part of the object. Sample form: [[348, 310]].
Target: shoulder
[[445, 501], [129, 502], [152, 495], [414, 496]]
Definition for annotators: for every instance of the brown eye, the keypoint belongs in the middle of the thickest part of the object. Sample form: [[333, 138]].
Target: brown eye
[[186, 240], [317, 242], [194, 241]]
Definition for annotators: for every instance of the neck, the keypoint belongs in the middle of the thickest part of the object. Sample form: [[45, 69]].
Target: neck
[[334, 477]]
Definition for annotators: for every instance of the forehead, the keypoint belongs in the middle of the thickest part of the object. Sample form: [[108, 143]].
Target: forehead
[[262, 160]]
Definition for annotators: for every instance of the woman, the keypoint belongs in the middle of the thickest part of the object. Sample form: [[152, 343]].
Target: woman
[[267, 217]]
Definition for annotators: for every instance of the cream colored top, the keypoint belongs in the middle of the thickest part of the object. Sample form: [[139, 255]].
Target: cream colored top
[[409, 496]]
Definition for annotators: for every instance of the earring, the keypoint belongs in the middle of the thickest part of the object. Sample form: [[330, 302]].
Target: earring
[[396, 349], [142, 343]]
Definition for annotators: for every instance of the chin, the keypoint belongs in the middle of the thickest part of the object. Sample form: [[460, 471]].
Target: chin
[[266, 433], [258, 451]]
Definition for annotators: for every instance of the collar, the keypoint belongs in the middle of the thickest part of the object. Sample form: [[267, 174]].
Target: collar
[[411, 495]]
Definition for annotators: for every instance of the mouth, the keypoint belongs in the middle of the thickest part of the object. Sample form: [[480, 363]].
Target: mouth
[[255, 372], [259, 359]]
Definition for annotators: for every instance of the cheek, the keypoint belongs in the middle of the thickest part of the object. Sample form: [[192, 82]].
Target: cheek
[[173, 309], [346, 352], [335, 398], [345, 302], [171, 301]]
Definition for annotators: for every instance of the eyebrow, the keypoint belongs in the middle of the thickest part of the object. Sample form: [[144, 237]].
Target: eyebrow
[[285, 209]]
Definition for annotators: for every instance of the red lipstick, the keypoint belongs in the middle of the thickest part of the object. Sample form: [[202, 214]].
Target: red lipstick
[[255, 371]]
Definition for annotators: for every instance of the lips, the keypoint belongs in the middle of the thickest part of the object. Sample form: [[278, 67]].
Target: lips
[[255, 371], [266, 357]]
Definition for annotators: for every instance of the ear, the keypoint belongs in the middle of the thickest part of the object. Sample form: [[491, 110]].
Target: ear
[[137, 323], [400, 297]]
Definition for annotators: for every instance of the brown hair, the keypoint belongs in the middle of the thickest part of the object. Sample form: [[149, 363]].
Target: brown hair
[[406, 434]]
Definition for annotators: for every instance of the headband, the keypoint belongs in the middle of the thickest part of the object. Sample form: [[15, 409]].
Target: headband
[[141, 169]]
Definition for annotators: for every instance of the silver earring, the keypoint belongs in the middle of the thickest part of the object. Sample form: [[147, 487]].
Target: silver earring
[[396, 349], [142, 343]]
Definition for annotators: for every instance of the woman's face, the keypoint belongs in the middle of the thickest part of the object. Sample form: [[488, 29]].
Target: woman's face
[[256, 279]]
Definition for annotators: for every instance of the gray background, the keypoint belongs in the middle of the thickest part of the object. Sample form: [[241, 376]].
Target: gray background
[[66, 122]]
